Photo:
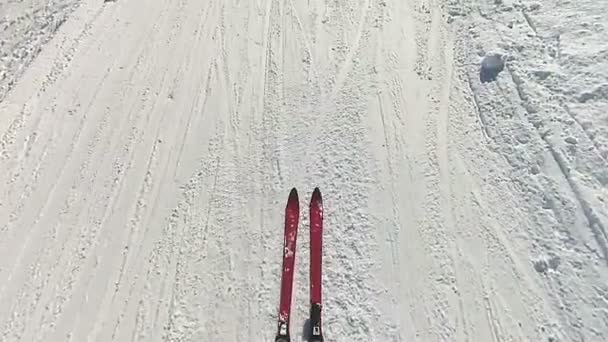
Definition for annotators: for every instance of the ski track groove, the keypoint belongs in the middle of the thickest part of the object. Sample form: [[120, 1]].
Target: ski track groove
[[353, 48], [134, 222], [568, 223], [598, 230], [63, 165], [395, 90], [130, 148], [140, 330], [52, 190], [46, 204], [147, 160], [21, 172], [73, 144], [117, 190], [57, 68], [596, 144]]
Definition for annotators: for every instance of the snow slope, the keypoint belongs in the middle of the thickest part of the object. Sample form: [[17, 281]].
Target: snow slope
[[25, 26], [547, 117], [146, 161]]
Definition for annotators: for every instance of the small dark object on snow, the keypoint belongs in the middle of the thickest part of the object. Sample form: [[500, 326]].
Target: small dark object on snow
[[491, 66], [541, 266]]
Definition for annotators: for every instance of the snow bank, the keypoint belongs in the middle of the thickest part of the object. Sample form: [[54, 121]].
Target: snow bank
[[25, 26]]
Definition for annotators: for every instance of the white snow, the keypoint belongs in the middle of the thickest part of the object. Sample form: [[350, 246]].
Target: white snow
[[147, 150], [25, 26]]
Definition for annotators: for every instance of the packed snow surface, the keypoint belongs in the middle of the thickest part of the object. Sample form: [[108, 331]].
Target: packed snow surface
[[147, 149]]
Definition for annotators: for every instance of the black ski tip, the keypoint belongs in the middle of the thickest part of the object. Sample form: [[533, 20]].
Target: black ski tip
[[316, 195], [293, 195]]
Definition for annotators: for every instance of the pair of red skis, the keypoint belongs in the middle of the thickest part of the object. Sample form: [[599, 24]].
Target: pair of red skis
[[292, 217]]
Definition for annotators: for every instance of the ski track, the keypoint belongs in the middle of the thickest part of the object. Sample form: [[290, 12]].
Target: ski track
[[146, 161]]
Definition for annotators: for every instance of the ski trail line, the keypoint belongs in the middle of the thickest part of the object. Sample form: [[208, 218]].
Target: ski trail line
[[147, 151]]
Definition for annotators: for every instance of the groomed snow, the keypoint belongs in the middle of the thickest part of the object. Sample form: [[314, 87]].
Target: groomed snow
[[147, 149]]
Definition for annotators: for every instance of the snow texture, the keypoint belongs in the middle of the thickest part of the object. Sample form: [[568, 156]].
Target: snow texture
[[147, 149], [25, 26]]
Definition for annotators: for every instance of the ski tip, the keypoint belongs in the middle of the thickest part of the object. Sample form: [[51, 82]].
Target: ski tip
[[293, 195], [316, 195]]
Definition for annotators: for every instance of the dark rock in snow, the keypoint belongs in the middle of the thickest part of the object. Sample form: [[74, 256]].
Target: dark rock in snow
[[491, 66]]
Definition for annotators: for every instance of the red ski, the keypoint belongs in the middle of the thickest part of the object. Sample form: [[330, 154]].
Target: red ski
[[316, 261], [292, 216]]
